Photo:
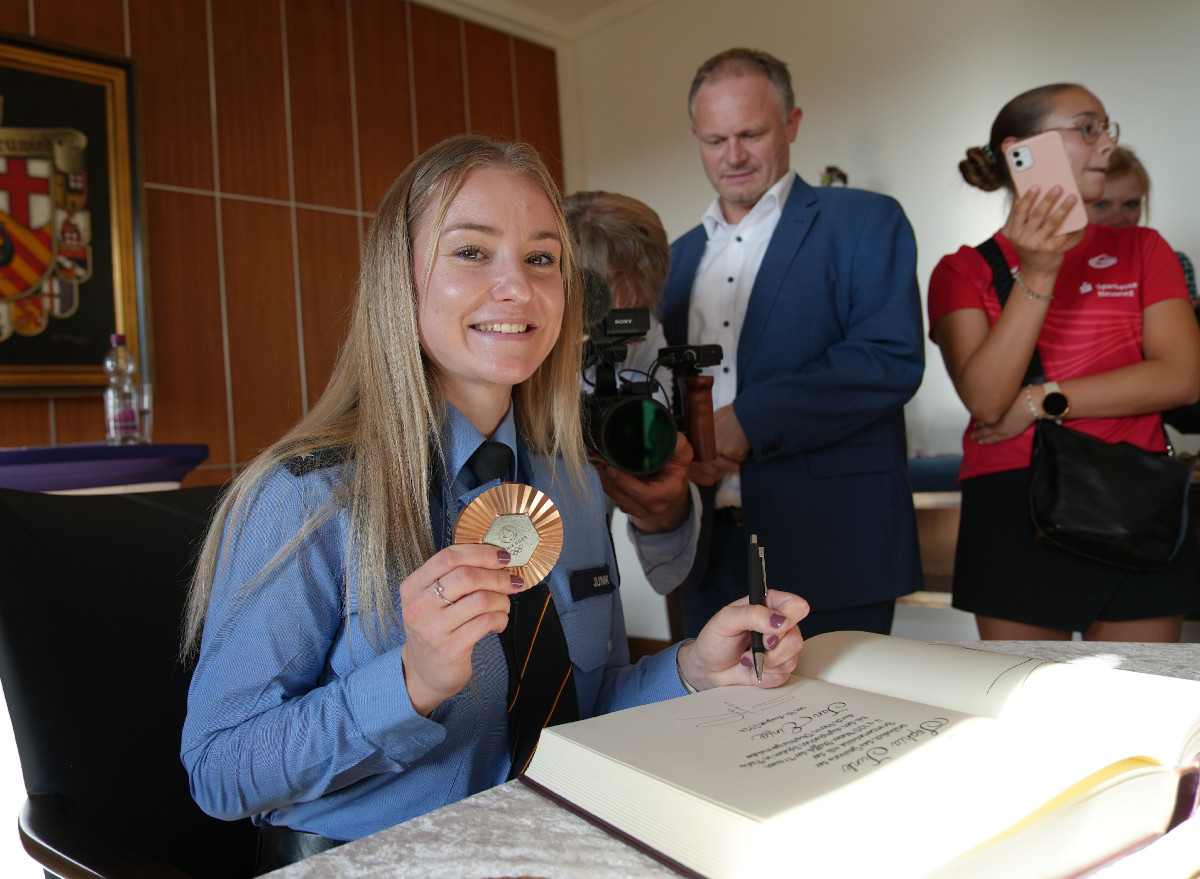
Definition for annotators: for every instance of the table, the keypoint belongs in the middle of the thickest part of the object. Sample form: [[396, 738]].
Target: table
[[935, 482], [511, 831], [81, 468]]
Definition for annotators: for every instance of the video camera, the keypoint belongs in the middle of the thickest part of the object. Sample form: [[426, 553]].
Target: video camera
[[623, 423]]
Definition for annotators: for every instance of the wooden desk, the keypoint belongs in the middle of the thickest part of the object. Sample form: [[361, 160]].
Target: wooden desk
[[512, 831]]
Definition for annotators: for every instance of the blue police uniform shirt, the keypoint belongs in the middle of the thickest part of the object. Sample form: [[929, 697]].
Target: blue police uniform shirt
[[294, 719]]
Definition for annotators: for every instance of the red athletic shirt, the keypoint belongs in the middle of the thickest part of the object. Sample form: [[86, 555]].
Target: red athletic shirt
[[1093, 325]]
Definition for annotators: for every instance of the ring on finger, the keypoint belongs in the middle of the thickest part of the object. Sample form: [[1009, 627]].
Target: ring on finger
[[437, 590]]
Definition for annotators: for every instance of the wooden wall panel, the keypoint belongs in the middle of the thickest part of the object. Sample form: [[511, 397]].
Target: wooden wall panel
[[537, 102], [261, 306], [490, 82], [191, 404], [437, 76], [251, 123], [26, 423], [98, 25], [382, 95], [79, 419], [327, 57], [319, 82], [14, 16], [170, 42], [328, 247]]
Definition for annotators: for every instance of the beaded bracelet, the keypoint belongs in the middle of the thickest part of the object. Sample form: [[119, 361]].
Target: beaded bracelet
[[1037, 416], [1028, 292]]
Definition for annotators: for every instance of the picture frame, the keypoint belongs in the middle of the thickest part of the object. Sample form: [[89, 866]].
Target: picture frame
[[71, 255]]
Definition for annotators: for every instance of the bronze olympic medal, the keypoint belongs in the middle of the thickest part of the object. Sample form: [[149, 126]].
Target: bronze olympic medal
[[518, 518]]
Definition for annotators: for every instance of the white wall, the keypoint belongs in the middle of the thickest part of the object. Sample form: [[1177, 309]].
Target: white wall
[[892, 93]]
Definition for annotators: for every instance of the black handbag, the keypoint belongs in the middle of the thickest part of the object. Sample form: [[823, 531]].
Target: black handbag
[[1112, 502]]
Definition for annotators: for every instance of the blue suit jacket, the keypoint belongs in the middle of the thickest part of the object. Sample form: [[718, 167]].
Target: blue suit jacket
[[831, 349]]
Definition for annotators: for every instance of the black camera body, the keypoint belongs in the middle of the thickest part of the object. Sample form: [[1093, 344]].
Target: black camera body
[[623, 423]]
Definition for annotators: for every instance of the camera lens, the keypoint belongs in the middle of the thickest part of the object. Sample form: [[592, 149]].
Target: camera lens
[[634, 434]]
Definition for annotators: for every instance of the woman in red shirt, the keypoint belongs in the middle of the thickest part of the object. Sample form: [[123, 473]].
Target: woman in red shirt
[[1107, 310]]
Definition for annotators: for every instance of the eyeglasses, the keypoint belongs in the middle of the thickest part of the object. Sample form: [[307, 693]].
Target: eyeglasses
[[1091, 131]]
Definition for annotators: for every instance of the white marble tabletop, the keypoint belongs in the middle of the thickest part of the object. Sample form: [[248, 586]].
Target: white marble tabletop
[[510, 831]]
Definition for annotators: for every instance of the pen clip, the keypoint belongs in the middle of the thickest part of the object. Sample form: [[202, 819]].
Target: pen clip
[[757, 571]]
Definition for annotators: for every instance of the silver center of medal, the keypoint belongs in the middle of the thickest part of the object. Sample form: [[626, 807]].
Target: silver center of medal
[[515, 533]]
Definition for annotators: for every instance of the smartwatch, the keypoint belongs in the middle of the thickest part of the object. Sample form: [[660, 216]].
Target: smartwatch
[[1054, 401]]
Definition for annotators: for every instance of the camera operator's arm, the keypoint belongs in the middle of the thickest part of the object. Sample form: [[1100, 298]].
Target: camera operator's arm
[[664, 516]]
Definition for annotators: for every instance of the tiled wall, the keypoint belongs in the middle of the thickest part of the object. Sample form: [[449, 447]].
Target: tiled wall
[[270, 130]]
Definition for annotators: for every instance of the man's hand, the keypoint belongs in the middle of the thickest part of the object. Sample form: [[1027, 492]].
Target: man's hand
[[656, 503]]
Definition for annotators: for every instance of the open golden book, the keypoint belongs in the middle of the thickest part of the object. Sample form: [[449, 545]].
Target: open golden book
[[890, 757]]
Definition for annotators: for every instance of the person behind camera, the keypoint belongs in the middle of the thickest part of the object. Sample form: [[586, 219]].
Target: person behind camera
[[812, 295], [1116, 360], [623, 241], [354, 664]]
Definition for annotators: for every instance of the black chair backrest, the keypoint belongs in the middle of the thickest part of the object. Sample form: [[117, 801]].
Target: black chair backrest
[[91, 598]]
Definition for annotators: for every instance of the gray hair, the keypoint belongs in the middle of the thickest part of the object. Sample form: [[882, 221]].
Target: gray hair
[[739, 62]]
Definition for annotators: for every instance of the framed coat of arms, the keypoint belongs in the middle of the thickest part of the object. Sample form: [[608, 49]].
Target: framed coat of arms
[[70, 207]]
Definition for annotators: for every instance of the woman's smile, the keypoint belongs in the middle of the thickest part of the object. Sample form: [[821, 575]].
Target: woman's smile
[[489, 289]]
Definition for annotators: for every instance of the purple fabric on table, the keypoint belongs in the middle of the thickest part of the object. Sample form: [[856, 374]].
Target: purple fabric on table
[[91, 465]]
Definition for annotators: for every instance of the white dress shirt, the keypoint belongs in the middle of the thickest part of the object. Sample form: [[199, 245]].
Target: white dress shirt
[[721, 293]]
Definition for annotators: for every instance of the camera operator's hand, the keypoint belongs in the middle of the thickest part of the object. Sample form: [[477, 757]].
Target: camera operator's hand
[[732, 448], [656, 503]]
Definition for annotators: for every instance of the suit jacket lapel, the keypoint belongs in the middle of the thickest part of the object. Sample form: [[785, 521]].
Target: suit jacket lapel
[[799, 212], [685, 259]]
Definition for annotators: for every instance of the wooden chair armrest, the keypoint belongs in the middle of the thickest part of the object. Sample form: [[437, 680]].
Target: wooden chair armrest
[[48, 835]]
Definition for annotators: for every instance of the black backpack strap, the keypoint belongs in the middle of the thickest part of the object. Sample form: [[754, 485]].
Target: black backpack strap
[[1002, 281]]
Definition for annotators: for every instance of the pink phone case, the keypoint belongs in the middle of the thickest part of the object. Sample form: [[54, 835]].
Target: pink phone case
[[1042, 161]]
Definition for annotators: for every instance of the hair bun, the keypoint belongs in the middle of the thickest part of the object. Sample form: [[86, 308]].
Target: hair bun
[[981, 169]]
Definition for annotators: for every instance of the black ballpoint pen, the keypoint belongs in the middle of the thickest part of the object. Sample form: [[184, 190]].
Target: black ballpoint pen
[[758, 595]]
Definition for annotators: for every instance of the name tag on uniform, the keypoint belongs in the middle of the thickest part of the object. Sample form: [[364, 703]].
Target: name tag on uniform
[[590, 582]]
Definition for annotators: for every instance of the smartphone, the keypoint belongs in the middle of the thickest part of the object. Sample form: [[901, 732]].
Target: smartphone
[[1042, 161]]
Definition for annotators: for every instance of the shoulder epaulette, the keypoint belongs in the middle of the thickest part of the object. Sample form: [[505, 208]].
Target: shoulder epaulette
[[317, 459]]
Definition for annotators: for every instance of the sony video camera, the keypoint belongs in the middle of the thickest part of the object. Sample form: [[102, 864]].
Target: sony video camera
[[623, 422]]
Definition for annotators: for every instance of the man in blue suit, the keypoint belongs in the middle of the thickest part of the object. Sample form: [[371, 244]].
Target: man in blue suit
[[812, 294]]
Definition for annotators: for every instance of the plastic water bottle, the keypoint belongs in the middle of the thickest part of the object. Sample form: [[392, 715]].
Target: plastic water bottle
[[120, 397]]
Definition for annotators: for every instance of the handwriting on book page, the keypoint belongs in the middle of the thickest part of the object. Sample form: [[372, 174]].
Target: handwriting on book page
[[828, 735]]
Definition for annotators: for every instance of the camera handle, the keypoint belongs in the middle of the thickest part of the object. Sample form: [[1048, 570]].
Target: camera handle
[[698, 411]]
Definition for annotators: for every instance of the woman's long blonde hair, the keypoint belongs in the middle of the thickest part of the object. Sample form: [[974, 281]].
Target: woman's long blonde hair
[[383, 408]]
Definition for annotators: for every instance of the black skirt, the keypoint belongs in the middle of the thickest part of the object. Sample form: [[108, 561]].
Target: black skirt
[[1000, 571]]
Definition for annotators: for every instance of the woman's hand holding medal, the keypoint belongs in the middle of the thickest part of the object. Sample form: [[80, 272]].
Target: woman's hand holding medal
[[442, 627]]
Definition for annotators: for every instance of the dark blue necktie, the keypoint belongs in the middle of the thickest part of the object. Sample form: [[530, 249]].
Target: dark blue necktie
[[541, 689]]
